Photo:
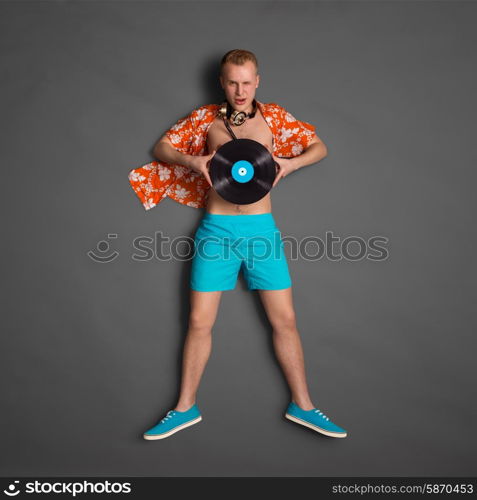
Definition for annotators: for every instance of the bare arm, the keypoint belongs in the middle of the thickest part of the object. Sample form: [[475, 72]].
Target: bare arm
[[165, 151], [314, 153]]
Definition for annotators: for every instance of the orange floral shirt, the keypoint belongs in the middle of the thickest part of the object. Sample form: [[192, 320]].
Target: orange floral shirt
[[156, 180]]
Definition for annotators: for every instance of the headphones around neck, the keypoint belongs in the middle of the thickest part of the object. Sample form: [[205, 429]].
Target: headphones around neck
[[237, 117]]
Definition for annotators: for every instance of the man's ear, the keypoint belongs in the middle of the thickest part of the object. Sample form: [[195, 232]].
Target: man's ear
[[258, 80]]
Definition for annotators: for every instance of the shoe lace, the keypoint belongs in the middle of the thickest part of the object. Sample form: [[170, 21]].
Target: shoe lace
[[169, 414], [321, 414]]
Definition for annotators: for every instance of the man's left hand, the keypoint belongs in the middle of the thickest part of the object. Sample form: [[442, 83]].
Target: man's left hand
[[284, 167]]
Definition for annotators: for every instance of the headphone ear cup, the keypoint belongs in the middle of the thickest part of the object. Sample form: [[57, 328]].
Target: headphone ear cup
[[223, 108]]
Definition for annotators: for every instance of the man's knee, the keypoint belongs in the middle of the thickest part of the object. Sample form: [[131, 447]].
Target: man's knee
[[200, 322], [284, 321]]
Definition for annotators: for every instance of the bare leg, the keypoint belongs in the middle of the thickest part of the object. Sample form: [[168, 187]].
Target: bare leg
[[278, 305], [197, 345]]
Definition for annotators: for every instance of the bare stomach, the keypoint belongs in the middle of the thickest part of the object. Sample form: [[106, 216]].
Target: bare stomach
[[217, 205]]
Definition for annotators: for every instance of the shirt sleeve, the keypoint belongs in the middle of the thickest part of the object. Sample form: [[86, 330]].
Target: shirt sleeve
[[295, 135], [181, 134], [157, 180]]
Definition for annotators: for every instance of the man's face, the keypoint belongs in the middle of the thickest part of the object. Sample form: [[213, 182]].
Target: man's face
[[239, 83]]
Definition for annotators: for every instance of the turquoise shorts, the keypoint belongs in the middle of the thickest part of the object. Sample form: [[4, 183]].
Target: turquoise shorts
[[224, 244]]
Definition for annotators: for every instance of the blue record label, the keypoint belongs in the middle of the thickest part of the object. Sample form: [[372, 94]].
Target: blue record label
[[242, 171]]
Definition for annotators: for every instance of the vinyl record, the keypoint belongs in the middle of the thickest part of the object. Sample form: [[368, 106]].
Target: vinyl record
[[242, 171]]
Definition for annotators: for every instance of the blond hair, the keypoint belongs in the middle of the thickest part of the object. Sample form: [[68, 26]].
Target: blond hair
[[238, 56]]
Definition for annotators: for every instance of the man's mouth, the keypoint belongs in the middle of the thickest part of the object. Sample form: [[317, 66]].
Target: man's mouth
[[240, 101]]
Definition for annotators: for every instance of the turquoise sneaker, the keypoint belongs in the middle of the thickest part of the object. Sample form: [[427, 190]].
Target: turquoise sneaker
[[314, 419], [174, 421]]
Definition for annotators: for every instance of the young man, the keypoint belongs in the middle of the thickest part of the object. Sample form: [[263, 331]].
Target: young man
[[183, 175]]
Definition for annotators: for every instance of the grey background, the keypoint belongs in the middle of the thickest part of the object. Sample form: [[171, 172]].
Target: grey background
[[91, 352]]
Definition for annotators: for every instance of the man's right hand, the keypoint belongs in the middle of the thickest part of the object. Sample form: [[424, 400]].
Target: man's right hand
[[201, 164]]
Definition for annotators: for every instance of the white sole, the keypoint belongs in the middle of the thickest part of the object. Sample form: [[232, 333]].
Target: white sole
[[315, 427], [151, 437]]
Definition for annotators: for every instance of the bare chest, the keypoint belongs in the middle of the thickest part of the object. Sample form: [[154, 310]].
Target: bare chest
[[255, 128]]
